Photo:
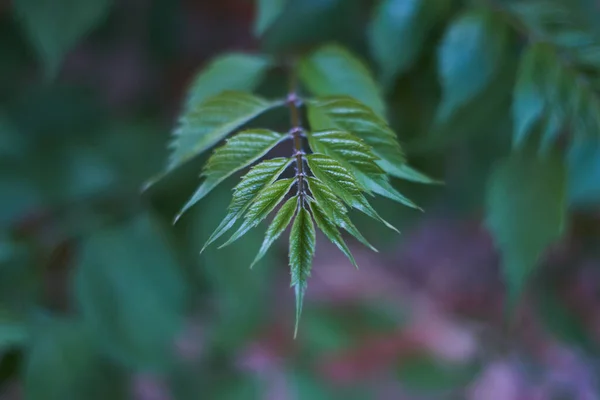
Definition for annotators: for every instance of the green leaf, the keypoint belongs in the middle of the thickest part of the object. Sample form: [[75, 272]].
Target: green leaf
[[358, 158], [405, 25], [64, 363], [131, 293], [227, 72], [526, 211], [238, 152], [13, 331], [280, 223], [266, 13], [54, 27], [408, 173], [469, 57], [265, 202], [342, 183], [529, 100], [301, 253], [246, 192], [351, 116], [328, 227], [332, 70], [334, 209], [205, 124], [584, 171]]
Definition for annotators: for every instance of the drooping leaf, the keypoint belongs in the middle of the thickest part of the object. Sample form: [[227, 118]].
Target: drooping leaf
[[207, 123], [266, 12], [343, 183], [328, 227], [526, 206], [280, 223], [469, 57], [398, 31], [351, 116], [238, 152], [245, 193], [54, 27], [227, 72], [131, 293], [301, 252], [334, 209], [332, 70], [265, 202], [357, 157], [64, 363]]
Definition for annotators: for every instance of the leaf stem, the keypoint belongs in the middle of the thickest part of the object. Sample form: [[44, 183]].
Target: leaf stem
[[294, 102]]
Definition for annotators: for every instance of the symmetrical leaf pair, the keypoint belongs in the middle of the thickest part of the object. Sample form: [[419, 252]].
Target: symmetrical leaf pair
[[353, 152]]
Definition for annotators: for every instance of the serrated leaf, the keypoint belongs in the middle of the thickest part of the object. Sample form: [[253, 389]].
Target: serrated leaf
[[54, 27], [265, 202], [354, 117], [227, 72], [332, 70], [301, 253], [526, 212], [335, 209], [245, 193], [398, 30], [342, 183], [280, 223], [469, 57], [328, 227], [238, 152], [408, 173], [358, 158], [207, 123], [266, 12]]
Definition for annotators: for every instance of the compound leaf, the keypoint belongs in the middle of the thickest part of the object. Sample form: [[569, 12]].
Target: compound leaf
[[332, 70], [328, 227], [301, 252], [398, 31], [230, 71], [349, 115], [246, 192], [238, 152], [526, 207], [205, 124], [343, 184], [469, 57], [334, 209], [280, 223], [265, 202]]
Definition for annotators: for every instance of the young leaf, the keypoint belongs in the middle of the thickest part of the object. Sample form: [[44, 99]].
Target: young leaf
[[358, 158], [266, 13], [207, 123], [55, 26], [280, 222], [265, 202], [351, 116], [332, 70], [328, 227], [526, 206], [301, 252], [343, 184], [334, 209], [227, 72], [240, 151], [246, 192], [469, 57], [398, 31]]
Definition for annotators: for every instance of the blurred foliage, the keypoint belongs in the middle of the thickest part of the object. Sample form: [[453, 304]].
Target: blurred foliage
[[102, 296]]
